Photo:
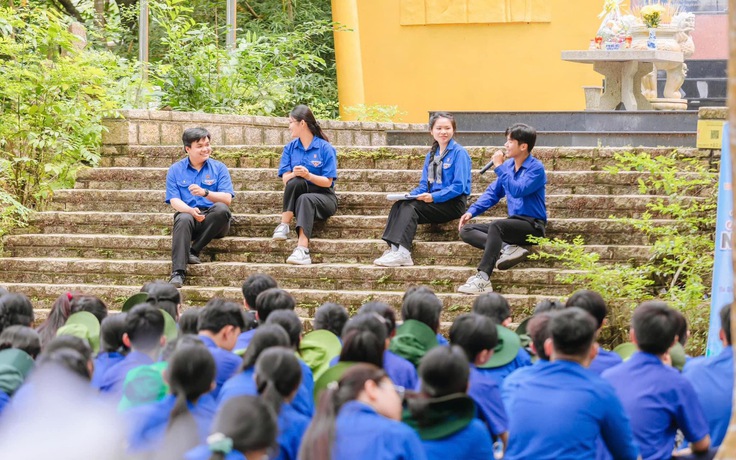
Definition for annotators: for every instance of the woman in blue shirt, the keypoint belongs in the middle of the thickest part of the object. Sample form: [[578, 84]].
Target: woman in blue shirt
[[112, 347], [308, 168], [358, 418], [440, 197]]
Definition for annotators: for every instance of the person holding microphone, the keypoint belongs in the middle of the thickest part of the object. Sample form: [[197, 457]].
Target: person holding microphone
[[521, 179]]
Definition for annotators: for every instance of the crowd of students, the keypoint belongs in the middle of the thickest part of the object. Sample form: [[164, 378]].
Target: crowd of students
[[238, 380]]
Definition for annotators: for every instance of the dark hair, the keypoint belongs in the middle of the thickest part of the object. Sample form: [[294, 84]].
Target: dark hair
[[21, 337], [302, 112], [218, 313], [474, 333], [189, 321], [271, 300], [111, 333], [192, 135], [144, 325], [548, 305], [15, 309], [424, 307], [417, 288], [493, 305], [726, 322], [278, 375], [655, 326], [332, 317], [166, 297], [183, 340], [91, 304], [573, 331], [254, 285], [267, 336], [250, 320], [590, 301], [362, 346], [60, 311], [681, 327], [249, 422], [66, 358], [538, 330], [523, 134], [433, 119], [383, 309], [77, 344], [190, 374], [318, 440], [291, 323], [444, 371]]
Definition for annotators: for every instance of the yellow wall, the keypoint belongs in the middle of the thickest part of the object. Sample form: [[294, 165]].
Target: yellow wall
[[483, 67]]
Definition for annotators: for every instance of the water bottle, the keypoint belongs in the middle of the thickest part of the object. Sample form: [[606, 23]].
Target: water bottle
[[652, 40]]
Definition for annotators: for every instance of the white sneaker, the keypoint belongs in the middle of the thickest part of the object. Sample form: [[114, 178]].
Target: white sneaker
[[476, 285], [394, 259], [281, 232], [300, 256], [511, 255]]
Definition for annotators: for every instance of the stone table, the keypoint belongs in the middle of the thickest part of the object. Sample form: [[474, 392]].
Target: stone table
[[623, 71]]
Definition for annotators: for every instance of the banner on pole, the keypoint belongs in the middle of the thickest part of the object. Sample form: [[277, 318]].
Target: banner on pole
[[722, 288]]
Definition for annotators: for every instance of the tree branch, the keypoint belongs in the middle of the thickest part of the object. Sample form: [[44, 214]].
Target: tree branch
[[70, 9]]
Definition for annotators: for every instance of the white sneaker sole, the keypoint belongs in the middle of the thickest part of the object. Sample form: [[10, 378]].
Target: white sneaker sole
[[280, 237], [393, 264], [299, 262], [472, 291]]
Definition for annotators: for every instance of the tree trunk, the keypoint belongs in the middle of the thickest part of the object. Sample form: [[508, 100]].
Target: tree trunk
[[100, 14]]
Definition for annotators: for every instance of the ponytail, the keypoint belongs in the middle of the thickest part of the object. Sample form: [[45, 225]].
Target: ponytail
[[302, 112], [270, 394], [245, 424], [266, 336], [278, 375]]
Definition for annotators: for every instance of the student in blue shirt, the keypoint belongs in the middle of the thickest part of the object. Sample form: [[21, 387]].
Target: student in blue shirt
[[521, 179], [200, 190], [476, 335], [144, 335], [401, 371], [270, 300], [712, 380], [441, 196], [245, 428], [330, 316], [252, 287], [359, 418], [112, 348], [420, 312], [220, 323], [442, 413], [593, 303], [182, 419], [562, 409], [308, 169], [657, 398]]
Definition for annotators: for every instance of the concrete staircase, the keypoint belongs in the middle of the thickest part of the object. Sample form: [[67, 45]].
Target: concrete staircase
[[110, 234]]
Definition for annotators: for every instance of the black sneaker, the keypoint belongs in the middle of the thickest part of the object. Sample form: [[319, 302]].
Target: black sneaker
[[193, 260], [177, 280]]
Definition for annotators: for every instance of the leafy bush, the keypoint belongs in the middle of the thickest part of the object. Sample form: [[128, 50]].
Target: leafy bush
[[376, 112]]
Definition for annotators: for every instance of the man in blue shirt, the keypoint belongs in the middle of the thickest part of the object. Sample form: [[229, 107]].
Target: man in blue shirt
[[220, 324], [521, 179], [656, 397], [712, 379], [593, 303], [200, 191], [561, 409]]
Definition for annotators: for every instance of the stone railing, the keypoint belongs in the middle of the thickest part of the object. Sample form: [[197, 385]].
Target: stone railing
[[151, 127]]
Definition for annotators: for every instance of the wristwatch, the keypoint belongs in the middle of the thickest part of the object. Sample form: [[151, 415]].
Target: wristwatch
[[206, 192]]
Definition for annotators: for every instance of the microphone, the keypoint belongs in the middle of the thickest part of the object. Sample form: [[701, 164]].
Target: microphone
[[486, 167]]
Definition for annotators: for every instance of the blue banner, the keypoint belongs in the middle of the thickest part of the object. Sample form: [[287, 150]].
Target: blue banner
[[722, 289]]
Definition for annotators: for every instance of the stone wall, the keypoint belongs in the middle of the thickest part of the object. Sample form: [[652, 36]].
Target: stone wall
[[151, 127]]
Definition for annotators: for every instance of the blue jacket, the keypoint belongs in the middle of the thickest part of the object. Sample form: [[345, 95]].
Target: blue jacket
[[319, 158], [455, 175], [213, 176], [103, 362]]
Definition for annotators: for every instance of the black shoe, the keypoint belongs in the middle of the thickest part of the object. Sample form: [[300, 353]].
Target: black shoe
[[177, 280], [193, 260]]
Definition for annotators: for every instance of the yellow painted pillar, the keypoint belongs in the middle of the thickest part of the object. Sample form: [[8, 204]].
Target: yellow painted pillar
[[350, 88]]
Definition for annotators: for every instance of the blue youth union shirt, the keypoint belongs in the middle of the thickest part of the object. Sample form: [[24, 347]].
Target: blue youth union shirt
[[455, 175], [213, 176], [471, 443], [523, 189], [319, 158], [487, 396]]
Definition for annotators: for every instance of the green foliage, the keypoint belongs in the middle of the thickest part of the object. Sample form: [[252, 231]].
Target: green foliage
[[375, 112], [680, 267]]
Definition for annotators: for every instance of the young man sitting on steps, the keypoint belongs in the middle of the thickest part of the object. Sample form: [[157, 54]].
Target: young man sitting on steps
[[521, 179]]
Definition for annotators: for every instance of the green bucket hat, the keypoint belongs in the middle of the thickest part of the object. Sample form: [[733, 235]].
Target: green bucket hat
[[144, 385], [625, 350], [135, 299], [84, 325], [677, 353], [508, 347], [413, 340], [443, 417], [521, 329], [171, 330], [15, 365], [333, 374], [318, 348]]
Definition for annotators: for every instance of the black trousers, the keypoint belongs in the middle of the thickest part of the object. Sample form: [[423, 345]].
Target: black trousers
[[491, 236], [405, 215], [190, 235], [308, 202]]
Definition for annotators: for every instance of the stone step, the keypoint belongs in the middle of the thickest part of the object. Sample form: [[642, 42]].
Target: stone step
[[349, 203], [266, 250], [595, 231], [328, 277], [392, 157], [43, 295], [362, 180]]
